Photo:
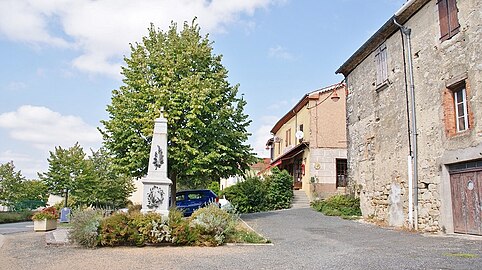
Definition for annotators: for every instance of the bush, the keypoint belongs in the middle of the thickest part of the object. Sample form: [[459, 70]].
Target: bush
[[182, 232], [151, 228], [9, 217], [213, 224], [279, 192], [208, 226], [256, 195], [117, 230], [339, 205], [248, 196], [85, 227], [46, 213]]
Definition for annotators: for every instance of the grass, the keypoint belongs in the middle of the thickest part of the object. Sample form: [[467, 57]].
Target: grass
[[462, 255], [345, 206], [64, 225], [11, 217], [242, 234]]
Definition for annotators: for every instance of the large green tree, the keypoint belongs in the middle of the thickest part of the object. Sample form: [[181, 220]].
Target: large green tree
[[17, 192], [106, 186], [90, 180], [10, 184], [66, 168], [207, 127]]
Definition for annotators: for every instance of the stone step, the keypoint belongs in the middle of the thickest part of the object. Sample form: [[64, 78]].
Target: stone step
[[300, 200]]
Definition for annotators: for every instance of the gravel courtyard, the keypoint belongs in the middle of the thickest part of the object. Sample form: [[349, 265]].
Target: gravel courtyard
[[302, 239]]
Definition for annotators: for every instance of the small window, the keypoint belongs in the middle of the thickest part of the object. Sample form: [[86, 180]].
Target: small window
[[448, 18], [461, 114], [457, 115], [288, 137], [381, 61], [301, 129], [180, 198]]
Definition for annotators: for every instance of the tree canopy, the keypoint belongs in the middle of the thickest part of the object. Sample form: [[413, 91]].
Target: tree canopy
[[17, 192], [90, 180], [10, 184], [207, 127]]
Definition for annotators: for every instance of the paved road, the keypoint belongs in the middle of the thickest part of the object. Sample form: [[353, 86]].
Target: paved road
[[303, 239], [16, 227]]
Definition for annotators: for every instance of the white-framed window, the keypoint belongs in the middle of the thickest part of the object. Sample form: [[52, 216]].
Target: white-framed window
[[381, 62], [461, 114]]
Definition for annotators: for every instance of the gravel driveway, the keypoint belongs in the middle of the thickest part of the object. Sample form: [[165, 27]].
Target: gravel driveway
[[303, 239]]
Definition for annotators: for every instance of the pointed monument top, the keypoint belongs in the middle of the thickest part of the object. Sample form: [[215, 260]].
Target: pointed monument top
[[161, 117]]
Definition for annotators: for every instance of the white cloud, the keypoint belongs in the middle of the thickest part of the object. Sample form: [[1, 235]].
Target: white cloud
[[44, 129], [102, 30], [262, 134], [26, 163], [280, 52]]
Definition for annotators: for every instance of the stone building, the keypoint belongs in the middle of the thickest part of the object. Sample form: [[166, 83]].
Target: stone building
[[439, 144], [309, 141]]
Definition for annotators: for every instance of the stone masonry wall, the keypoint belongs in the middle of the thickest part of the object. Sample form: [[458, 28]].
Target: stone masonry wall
[[377, 117]]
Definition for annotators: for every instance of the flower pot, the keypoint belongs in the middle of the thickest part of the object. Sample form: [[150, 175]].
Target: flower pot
[[44, 225]]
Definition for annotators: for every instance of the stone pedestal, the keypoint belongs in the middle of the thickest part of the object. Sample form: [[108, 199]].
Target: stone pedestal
[[156, 185]]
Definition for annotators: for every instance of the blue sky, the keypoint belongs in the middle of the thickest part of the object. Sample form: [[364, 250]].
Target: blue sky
[[61, 60]]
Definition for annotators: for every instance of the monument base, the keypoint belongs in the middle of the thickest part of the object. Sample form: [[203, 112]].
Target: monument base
[[156, 196]]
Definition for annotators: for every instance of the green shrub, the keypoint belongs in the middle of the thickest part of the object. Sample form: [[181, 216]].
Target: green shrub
[[117, 230], [243, 235], [255, 195], [182, 233], [279, 191], [151, 228], [248, 196], [85, 227], [339, 205], [10, 217], [213, 224]]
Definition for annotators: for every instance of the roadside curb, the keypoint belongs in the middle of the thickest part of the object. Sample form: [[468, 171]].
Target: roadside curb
[[248, 244]]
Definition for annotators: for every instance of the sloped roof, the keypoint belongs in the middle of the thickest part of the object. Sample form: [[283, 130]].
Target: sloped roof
[[388, 29]]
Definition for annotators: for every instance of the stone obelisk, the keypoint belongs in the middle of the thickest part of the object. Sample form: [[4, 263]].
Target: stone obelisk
[[156, 185]]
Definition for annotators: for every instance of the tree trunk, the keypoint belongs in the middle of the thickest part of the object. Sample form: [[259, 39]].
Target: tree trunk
[[173, 178]]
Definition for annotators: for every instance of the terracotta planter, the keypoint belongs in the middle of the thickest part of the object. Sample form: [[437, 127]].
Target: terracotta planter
[[44, 225]]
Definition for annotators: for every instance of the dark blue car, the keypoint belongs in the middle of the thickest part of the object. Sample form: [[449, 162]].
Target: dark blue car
[[189, 201]]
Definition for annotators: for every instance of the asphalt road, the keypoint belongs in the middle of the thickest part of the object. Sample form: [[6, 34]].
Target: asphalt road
[[302, 239], [16, 227]]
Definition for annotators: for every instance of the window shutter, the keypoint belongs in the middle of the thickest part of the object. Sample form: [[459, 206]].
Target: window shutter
[[443, 18], [453, 17]]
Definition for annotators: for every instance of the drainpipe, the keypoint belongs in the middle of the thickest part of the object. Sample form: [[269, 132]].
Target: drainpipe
[[406, 31]]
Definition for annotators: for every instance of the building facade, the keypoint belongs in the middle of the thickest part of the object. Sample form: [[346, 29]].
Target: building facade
[[309, 141], [415, 161]]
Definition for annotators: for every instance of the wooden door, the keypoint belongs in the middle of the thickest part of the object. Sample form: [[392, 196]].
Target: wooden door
[[467, 202]]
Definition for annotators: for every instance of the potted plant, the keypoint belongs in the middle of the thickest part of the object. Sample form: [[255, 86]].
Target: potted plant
[[45, 220]]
